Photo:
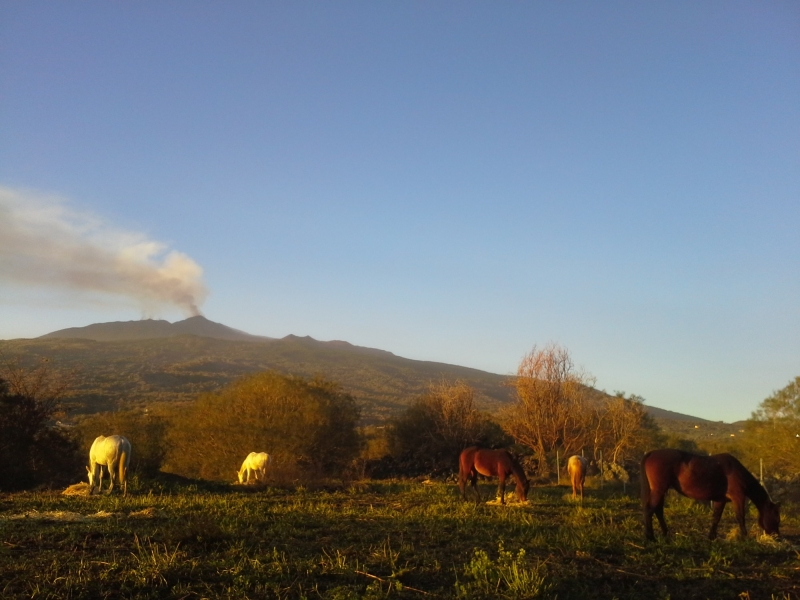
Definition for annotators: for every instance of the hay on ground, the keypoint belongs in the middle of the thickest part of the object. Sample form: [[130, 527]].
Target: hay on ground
[[510, 503], [78, 489]]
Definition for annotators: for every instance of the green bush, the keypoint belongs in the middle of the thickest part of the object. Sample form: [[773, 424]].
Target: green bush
[[146, 433], [309, 427], [429, 435]]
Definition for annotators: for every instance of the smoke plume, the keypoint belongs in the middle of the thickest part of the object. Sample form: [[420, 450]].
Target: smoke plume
[[44, 242]]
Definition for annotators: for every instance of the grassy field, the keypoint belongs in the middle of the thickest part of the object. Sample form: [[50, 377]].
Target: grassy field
[[377, 540]]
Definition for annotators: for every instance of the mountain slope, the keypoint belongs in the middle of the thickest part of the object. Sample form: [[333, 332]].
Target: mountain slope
[[137, 363], [116, 374]]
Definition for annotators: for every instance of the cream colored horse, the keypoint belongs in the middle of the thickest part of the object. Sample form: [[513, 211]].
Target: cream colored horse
[[113, 452], [256, 462], [577, 467]]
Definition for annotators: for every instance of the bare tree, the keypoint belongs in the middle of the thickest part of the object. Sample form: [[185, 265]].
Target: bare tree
[[40, 383], [626, 427], [458, 421], [552, 410]]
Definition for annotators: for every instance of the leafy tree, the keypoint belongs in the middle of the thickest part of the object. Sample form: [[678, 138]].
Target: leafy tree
[[552, 409], [430, 434], [146, 432], [309, 427], [773, 431]]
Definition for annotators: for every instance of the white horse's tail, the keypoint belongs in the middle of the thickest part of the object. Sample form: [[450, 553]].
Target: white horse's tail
[[123, 472]]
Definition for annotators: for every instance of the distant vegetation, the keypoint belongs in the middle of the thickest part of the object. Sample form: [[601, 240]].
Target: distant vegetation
[[185, 397], [145, 373]]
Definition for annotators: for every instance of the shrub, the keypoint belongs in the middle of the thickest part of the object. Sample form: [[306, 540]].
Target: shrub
[[32, 451], [146, 433], [431, 433], [309, 427]]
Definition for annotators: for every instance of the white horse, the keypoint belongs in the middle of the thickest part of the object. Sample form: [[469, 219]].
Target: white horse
[[113, 452], [256, 462], [577, 467]]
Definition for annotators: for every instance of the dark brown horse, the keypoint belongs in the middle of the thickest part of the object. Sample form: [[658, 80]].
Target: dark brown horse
[[718, 479], [490, 463]]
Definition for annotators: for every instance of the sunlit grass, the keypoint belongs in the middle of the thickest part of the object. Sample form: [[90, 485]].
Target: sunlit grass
[[378, 539]]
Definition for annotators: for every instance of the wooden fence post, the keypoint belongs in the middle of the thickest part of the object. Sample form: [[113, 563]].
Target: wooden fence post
[[558, 468]]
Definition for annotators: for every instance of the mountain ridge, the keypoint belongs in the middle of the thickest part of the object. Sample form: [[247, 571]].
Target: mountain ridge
[[175, 361], [146, 329]]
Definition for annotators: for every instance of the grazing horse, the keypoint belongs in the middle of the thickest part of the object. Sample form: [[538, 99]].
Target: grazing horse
[[491, 463], [113, 452], [577, 467], [718, 479], [256, 462]]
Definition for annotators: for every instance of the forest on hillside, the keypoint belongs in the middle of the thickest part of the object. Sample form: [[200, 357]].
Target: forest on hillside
[[146, 373]]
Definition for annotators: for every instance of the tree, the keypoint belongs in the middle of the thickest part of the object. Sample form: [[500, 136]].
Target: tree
[[40, 383], [773, 431], [33, 451], [309, 427], [552, 410], [623, 429], [430, 434], [146, 432]]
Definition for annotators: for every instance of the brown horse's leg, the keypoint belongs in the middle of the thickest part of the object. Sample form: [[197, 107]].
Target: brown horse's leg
[[474, 485], [739, 507], [718, 508], [648, 522], [462, 484], [659, 512], [654, 505], [501, 488]]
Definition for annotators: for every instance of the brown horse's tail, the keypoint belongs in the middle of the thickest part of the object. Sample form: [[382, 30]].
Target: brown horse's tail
[[645, 481], [123, 472]]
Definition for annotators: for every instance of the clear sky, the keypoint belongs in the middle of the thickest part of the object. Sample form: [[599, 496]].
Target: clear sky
[[449, 181]]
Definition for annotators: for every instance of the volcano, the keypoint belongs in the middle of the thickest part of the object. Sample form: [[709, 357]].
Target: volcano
[[146, 329]]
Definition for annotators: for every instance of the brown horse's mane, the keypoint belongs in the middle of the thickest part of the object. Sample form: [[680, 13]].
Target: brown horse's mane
[[516, 468], [752, 488]]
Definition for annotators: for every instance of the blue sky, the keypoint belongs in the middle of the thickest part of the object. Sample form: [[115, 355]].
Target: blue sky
[[449, 181]]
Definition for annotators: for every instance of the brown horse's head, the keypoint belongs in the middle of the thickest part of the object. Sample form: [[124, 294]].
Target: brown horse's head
[[769, 517]]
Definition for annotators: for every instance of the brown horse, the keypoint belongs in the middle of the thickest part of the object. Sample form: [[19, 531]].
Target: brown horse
[[718, 479], [490, 463], [577, 467]]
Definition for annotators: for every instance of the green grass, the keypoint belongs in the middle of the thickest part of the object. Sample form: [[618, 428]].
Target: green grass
[[377, 540]]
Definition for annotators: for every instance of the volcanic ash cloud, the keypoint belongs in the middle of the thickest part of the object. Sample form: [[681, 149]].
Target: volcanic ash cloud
[[45, 243]]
